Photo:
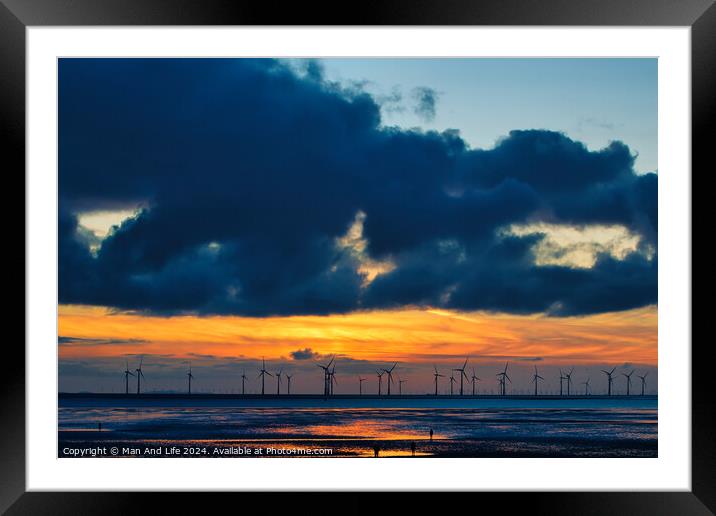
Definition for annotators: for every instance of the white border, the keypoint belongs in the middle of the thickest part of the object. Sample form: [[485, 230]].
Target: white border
[[670, 471]]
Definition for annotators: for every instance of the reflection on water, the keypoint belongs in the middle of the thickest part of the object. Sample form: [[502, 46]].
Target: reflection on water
[[356, 431]]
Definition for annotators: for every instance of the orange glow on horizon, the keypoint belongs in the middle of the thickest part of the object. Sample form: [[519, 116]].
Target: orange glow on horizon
[[414, 335]]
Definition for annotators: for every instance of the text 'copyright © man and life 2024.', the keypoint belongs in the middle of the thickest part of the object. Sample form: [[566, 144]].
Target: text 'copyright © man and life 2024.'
[[193, 451]]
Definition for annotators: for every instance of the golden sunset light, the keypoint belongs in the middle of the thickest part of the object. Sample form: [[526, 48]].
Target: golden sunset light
[[414, 335]]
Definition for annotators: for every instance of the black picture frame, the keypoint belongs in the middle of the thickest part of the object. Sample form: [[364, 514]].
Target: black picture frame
[[17, 15]]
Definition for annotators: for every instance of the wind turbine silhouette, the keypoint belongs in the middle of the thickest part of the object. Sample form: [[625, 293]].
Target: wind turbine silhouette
[[278, 382], [326, 376], [462, 374], [609, 380], [400, 385], [262, 375], [140, 375], [503, 376], [437, 375], [332, 379], [360, 385], [190, 377], [243, 383], [288, 378], [586, 387], [535, 378], [389, 372], [643, 381], [561, 378], [568, 377], [127, 374], [380, 380], [474, 379], [628, 377], [452, 382]]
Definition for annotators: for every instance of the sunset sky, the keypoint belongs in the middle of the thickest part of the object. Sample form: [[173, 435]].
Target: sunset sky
[[221, 211]]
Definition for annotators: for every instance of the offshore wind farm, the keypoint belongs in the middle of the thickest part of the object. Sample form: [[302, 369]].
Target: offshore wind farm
[[360, 424]]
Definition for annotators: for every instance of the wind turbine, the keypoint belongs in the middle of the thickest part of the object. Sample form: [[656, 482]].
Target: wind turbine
[[462, 374], [643, 381], [586, 387], [262, 375], [503, 376], [326, 376], [452, 382], [140, 375], [380, 380], [389, 372], [561, 378], [288, 378], [568, 377], [243, 383], [609, 380], [127, 374], [474, 379], [437, 375], [278, 382], [332, 379], [190, 377], [360, 385], [535, 378], [628, 377], [400, 385]]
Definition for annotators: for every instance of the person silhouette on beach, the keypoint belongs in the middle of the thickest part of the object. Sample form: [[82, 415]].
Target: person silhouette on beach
[[412, 448], [376, 450], [431, 435]]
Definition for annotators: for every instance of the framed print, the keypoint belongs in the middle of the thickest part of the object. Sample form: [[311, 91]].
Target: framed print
[[434, 249]]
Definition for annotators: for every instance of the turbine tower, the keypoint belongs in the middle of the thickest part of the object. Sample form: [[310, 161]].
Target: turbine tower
[[452, 382], [568, 377], [140, 375], [561, 378], [461, 370], [535, 378], [278, 382], [262, 375], [437, 375], [243, 383], [380, 380], [586, 387], [628, 377], [643, 381], [127, 374], [360, 385], [389, 372], [400, 385], [332, 379], [288, 379], [609, 380], [190, 377], [474, 379], [326, 376], [503, 376]]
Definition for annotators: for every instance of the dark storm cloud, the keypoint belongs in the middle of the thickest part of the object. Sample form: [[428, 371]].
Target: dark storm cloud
[[63, 340], [426, 99], [249, 173], [304, 354]]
